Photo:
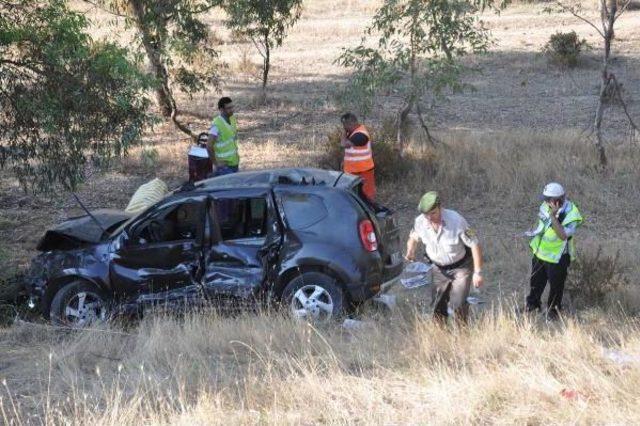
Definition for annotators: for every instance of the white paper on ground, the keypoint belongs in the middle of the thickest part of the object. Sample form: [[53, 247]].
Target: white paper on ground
[[353, 324], [621, 358]]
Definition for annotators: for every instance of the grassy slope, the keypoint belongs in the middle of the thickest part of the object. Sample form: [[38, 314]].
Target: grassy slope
[[262, 369], [520, 129]]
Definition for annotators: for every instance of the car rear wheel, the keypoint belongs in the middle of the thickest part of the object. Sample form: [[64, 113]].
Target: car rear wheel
[[314, 296], [78, 304]]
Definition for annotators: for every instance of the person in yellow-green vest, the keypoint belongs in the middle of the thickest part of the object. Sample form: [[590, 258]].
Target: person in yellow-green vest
[[553, 248], [223, 139]]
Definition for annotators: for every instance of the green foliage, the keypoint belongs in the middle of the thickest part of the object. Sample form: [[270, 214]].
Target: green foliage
[[64, 98], [264, 22], [564, 48], [596, 279], [177, 43], [149, 157], [332, 153], [181, 38], [391, 165], [418, 46]]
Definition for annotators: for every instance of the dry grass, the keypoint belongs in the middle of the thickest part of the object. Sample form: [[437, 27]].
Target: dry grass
[[502, 143], [204, 369]]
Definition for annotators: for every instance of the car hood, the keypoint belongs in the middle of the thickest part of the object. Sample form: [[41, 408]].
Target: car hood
[[83, 230]]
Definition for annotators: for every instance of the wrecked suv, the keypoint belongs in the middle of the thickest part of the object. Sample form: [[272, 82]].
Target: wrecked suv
[[306, 238]]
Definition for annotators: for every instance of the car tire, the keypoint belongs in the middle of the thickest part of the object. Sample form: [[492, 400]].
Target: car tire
[[78, 304], [314, 296]]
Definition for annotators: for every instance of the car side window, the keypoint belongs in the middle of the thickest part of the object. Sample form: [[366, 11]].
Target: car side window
[[303, 210], [242, 218], [178, 222]]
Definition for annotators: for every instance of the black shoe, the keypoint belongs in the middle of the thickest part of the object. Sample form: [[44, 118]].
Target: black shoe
[[553, 315]]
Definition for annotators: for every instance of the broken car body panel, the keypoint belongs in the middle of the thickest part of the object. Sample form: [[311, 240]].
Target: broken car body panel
[[78, 231], [240, 236]]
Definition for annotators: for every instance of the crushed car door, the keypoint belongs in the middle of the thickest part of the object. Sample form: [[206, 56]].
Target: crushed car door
[[245, 240], [161, 252]]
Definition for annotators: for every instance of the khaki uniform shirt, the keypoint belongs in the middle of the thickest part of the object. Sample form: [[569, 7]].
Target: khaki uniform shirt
[[448, 244]]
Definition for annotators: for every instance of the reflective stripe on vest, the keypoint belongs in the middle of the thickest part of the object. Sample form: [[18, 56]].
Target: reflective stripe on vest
[[548, 246], [226, 146], [359, 159]]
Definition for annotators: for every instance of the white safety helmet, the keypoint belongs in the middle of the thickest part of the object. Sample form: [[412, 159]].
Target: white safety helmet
[[553, 190]]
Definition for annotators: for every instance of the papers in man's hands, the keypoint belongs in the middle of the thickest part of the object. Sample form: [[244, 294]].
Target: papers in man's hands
[[416, 274]]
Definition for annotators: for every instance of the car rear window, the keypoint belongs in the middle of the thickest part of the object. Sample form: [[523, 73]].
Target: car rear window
[[304, 210]]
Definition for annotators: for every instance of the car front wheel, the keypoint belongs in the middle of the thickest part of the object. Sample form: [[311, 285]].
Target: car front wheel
[[78, 304], [314, 296]]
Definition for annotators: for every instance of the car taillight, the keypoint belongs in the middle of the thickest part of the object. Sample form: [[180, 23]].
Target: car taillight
[[368, 236]]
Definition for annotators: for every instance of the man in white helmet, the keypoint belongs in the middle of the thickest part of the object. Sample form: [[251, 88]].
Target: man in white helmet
[[553, 247]]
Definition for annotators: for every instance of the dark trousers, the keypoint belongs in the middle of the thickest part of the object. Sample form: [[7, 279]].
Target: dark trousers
[[226, 170], [554, 273]]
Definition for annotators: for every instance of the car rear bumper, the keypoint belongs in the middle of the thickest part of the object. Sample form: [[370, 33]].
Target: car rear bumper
[[361, 293]]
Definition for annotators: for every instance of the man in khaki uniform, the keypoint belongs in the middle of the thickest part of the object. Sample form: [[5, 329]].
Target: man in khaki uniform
[[453, 249]]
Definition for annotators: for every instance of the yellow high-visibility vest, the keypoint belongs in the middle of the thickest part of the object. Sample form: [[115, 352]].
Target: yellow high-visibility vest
[[547, 245], [226, 145]]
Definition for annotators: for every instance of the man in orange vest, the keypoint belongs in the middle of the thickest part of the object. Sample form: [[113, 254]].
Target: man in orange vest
[[358, 155]]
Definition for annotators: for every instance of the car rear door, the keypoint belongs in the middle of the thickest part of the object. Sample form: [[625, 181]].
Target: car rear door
[[387, 230], [245, 235]]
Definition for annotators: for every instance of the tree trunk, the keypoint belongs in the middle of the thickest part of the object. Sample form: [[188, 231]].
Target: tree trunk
[[151, 45], [608, 17], [403, 117], [266, 65]]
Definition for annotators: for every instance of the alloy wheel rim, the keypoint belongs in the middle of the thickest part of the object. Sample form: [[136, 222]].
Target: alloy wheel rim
[[84, 308], [312, 302]]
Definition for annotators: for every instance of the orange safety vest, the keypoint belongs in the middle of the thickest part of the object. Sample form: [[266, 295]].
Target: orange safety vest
[[358, 159]]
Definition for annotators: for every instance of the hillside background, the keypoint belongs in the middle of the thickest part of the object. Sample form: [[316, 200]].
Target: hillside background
[[525, 123]]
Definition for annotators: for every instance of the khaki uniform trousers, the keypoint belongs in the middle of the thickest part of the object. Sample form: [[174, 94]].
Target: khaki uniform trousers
[[450, 290]]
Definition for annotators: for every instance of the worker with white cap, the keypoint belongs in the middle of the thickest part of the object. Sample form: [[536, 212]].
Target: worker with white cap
[[452, 246], [553, 248]]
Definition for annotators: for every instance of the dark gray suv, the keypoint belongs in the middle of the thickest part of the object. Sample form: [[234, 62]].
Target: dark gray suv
[[306, 238]]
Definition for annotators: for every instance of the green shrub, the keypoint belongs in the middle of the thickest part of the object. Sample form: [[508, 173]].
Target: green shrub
[[332, 153], [390, 165], [416, 164], [564, 48], [149, 157], [595, 279]]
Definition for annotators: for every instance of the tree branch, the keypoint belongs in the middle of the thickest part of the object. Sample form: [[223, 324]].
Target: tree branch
[[19, 64], [424, 126], [624, 104], [622, 9], [257, 45], [10, 5], [574, 13], [107, 10]]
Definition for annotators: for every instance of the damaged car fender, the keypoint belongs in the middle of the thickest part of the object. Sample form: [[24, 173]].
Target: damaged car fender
[[51, 271]]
